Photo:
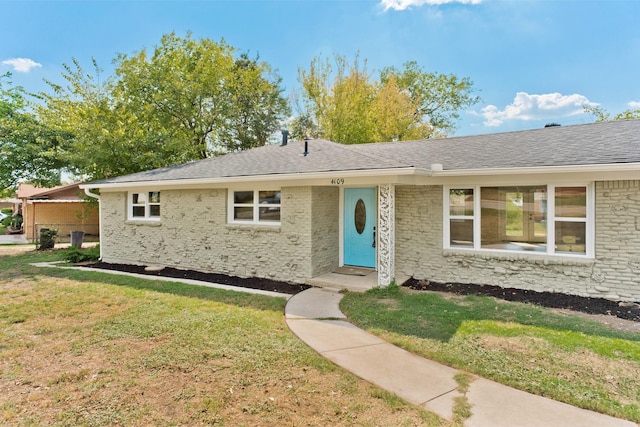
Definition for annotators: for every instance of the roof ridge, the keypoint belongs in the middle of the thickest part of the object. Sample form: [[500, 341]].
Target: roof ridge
[[361, 150]]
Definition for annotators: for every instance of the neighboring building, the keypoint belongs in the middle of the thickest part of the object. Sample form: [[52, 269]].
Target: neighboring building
[[61, 207], [553, 209], [8, 203]]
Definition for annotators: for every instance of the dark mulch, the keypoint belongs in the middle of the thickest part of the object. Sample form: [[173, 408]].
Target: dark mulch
[[623, 310], [252, 283]]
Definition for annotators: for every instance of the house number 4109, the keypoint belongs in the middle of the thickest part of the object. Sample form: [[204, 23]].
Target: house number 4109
[[337, 181]]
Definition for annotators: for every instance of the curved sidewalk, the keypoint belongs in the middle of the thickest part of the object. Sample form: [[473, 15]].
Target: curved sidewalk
[[315, 317]]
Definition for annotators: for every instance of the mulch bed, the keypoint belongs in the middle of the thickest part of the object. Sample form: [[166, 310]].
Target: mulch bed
[[251, 283], [623, 310]]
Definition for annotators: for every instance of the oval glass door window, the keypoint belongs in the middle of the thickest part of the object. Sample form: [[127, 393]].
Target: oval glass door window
[[360, 216]]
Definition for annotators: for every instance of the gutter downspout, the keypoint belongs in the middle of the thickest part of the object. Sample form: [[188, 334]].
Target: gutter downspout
[[88, 192]]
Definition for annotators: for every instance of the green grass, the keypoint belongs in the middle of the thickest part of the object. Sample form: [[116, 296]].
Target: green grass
[[94, 349], [567, 358]]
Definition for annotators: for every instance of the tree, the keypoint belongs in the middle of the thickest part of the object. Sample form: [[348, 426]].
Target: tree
[[257, 105], [437, 98], [394, 112], [106, 137], [199, 95], [348, 105], [187, 100], [29, 150], [599, 114], [341, 108]]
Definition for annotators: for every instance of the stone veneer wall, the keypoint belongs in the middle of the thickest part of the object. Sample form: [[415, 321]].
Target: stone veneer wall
[[193, 234], [617, 269], [614, 274]]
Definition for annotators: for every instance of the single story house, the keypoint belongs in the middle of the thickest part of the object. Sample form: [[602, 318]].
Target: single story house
[[553, 209], [64, 208]]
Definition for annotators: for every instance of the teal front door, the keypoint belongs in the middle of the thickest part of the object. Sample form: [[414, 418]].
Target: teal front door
[[360, 227]]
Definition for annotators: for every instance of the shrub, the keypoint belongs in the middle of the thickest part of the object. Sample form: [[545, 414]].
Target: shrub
[[15, 221], [47, 238], [76, 255]]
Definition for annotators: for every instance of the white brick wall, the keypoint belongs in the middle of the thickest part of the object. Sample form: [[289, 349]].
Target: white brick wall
[[193, 234], [325, 230], [615, 272]]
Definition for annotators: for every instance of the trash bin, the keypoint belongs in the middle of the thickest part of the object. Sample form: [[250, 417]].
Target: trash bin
[[76, 238]]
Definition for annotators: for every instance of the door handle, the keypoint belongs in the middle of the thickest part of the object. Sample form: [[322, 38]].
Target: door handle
[[373, 245]]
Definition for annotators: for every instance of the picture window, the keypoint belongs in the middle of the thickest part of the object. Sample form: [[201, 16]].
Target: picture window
[[537, 219]]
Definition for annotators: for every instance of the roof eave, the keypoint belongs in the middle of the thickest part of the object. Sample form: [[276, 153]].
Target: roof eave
[[609, 167], [387, 172], [50, 191], [378, 173]]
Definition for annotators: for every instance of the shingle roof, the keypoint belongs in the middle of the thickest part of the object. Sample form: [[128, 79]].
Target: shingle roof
[[26, 191], [589, 144], [324, 156]]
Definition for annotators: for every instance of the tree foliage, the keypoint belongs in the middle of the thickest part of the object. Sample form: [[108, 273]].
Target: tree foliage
[[186, 100], [343, 102], [599, 114], [258, 107], [437, 98], [29, 150], [200, 95], [107, 139]]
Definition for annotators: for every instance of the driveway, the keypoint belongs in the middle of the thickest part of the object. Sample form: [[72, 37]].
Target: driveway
[[13, 239], [13, 244]]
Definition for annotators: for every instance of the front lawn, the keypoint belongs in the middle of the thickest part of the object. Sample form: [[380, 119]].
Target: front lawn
[[565, 357], [93, 349]]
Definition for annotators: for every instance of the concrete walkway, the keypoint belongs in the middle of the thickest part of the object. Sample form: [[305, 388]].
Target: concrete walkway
[[315, 317]]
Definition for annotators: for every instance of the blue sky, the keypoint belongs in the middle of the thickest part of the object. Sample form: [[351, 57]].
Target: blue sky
[[532, 62]]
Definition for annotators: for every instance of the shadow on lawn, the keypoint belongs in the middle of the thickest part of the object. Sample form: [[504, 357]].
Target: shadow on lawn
[[439, 316]]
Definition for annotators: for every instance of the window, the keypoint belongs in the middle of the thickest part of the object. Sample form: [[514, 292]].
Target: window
[[145, 205], [461, 217], [255, 206], [514, 218], [571, 219], [543, 219]]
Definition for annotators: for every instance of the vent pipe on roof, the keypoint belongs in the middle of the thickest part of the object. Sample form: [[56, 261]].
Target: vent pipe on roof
[[285, 137], [551, 125], [306, 147]]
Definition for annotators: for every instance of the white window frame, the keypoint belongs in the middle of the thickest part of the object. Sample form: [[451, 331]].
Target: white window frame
[[256, 205], [461, 217], [551, 221], [146, 205]]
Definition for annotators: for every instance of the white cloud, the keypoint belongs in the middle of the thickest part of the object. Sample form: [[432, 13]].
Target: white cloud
[[536, 107], [634, 104], [21, 65], [405, 4]]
